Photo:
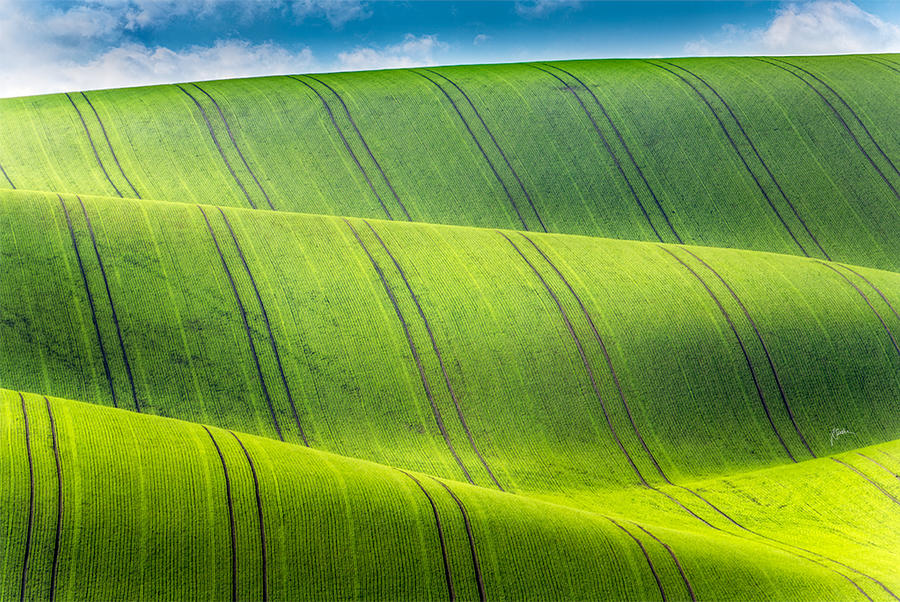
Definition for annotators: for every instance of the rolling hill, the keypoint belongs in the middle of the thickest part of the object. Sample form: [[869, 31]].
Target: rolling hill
[[583, 330]]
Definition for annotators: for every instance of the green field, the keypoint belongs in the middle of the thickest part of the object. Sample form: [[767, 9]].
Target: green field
[[615, 329]]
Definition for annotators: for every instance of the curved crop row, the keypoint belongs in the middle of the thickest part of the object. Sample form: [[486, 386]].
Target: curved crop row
[[795, 155], [520, 362], [83, 522]]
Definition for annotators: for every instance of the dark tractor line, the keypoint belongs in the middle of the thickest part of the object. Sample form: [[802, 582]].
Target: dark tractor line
[[848, 107], [109, 145], [780, 543], [112, 306], [90, 298], [870, 481], [628, 409], [54, 568], [606, 356], [235, 145], [606, 145], [462, 510], [440, 531], [6, 175], [659, 585], [737, 152], [228, 498], [883, 62], [259, 512], [265, 316], [478, 144], [641, 480], [744, 351], [624, 145], [687, 584], [30, 528], [346, 145], [713, 506], [440, 358], [93, 148], [841, 119], [415, 352], [496, 145], [762, 343], [891, 472], [875, 288], [365, 145], [756, 153], [218, 146], [584, 360], [237, 297], [869, 303]]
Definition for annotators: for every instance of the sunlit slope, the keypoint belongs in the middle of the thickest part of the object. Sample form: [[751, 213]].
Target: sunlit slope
[[101, 503], [797, 155], [469, 358]]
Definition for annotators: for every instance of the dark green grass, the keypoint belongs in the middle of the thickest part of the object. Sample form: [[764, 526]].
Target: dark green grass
[[656, 164]]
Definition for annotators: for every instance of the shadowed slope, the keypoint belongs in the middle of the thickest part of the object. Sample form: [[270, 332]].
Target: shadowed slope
[[563, 362]]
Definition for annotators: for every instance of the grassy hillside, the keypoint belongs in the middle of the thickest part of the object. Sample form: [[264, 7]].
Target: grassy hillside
[[623, 330], [795, 155], [244, 516], [470, 348]]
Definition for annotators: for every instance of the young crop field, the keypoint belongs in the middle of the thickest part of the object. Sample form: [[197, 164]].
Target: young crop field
[[583, 330]]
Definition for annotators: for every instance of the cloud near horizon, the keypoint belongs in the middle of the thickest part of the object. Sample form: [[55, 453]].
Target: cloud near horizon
[[50, 46], [413, 51], [89, 45], [816, 27]]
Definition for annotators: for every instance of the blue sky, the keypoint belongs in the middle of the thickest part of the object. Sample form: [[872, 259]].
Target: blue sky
[[84, 44]]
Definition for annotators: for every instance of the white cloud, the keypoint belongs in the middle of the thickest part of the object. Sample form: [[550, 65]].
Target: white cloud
[[480, 39], [136, 64], [536, 9], [336, 12], [49, 47], [139, 64], [413, 51], [817, 27]]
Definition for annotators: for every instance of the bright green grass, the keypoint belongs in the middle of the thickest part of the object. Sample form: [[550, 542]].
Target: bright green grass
[[636, 394], [556, 158], [519, 380], [144, 514]]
